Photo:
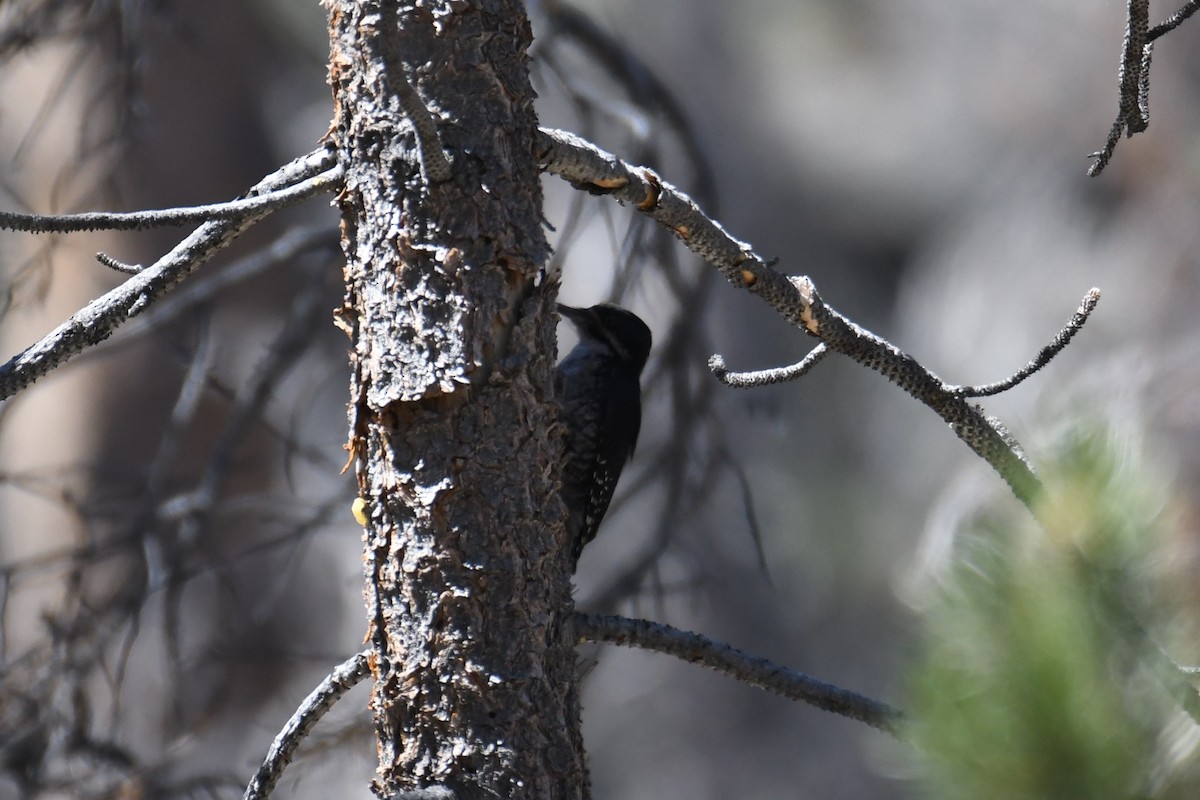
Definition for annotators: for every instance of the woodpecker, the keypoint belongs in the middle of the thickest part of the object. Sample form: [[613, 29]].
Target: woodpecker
[[600, 394]]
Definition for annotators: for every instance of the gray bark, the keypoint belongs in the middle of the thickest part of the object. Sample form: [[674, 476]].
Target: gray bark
[[453, 425]]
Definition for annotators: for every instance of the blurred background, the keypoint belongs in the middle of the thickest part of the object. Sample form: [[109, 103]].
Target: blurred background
[[174, 517]]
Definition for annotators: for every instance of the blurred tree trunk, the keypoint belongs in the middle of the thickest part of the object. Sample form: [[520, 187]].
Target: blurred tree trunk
[[452, 420]]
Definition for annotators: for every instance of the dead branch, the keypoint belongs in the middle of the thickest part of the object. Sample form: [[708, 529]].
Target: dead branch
[[760, 672], [96, 321], [794, 298]]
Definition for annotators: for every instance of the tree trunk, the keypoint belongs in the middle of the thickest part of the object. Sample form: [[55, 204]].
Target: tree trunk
[[452, 420]]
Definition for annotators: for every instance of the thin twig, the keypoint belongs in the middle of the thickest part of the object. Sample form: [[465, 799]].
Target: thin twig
[[760, 672], [119, 266], [248, 405], [140, 220], [287, 247], [766, 377], [646, 89], [96, 321], [755, 530], [1043, 357], [1174, 21], [343, 678], [1133, 112], [1132, 79], [795, 299]]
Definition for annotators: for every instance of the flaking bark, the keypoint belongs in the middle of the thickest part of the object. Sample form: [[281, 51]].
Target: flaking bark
[[452, 421]]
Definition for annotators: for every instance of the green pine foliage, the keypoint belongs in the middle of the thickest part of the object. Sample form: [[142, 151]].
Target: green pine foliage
[[1045, 668]]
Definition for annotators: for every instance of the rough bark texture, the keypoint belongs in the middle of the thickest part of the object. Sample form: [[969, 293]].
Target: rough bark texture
[[452, 421]]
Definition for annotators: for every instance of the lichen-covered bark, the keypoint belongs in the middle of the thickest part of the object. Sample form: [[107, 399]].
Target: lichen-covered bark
[[452, 424]]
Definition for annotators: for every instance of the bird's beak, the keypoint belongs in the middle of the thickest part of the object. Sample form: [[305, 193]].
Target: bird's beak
[[576, 315]]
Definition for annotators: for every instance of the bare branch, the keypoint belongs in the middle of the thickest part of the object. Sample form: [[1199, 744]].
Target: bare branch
[[258, 204], [119, 266], [249, 404], [752, 526], [1044, 356], [1133, 111], [981, 433], [647, 90], [588, 167], [1174, 21], [343, 678], [760, 672], [98, 319], [288, 246], [766, 377], [795, 298]]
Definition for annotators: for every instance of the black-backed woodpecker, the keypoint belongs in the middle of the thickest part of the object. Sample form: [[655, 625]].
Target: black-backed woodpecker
[[601, 398]]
